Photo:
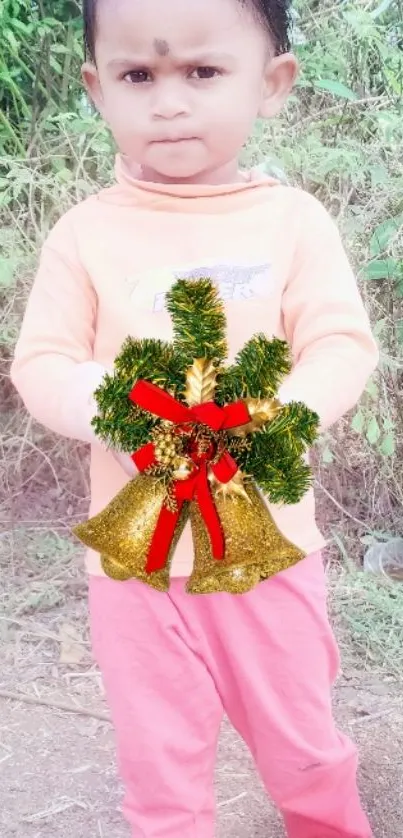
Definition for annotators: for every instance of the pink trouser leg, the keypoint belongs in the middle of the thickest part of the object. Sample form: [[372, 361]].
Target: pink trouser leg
[[273, 657], [165, 709], [171, 663]]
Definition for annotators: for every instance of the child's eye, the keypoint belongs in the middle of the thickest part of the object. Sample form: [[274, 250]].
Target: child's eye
[[203, 73], [137, 76]]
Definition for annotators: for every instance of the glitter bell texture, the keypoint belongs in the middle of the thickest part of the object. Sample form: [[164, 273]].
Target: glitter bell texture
[[255, 549], [122, 533]]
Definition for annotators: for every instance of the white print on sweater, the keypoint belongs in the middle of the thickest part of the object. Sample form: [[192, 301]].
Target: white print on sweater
[[235, 282]]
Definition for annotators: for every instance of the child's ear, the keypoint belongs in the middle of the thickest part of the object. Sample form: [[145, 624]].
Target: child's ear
[[92, 85], [280, 76]]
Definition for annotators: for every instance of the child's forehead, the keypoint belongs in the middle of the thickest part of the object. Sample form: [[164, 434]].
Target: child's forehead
[[178, 24]]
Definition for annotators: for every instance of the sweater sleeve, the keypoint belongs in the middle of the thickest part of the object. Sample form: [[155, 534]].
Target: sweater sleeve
[[53, 368], [325, 322]]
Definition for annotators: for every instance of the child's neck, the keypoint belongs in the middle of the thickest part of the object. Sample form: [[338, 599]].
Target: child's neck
[[229, 173]]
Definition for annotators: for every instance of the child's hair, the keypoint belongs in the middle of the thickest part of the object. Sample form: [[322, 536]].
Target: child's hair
[[275, 14]]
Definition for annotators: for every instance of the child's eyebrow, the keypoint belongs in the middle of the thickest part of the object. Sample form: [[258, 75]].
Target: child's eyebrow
[[201, 59]]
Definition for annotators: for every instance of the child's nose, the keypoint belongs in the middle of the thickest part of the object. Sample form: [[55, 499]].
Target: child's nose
[[169, 102]]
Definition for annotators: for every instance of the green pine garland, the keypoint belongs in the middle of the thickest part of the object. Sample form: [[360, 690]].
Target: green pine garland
[[274, 455], [199, 321], [258, 371]]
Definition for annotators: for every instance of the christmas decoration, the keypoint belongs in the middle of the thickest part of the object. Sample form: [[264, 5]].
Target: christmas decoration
[[208, 442]]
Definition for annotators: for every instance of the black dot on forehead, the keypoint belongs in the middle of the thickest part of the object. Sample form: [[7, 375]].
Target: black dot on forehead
[[161, 47]]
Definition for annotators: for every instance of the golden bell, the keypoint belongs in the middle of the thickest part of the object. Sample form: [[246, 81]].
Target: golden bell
[[123, 532], [254, 547]]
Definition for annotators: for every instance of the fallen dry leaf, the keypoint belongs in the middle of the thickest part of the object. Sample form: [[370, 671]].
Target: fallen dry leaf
[[72, 649]]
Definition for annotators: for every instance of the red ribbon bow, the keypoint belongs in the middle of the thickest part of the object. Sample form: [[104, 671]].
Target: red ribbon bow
[[160, 403]]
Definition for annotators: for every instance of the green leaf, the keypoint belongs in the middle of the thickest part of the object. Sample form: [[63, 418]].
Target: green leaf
[[379, 174], [6, 273], [61, 49], [5, 199], [358, 422], [388, 424], [327, 456], [12, 40], [64, 175], [372, 389], [336, 88], [380, 327], [388, 445], [24, 28], [381, 269], [373, 431], [384, 233], [55, 65], [381, 9]]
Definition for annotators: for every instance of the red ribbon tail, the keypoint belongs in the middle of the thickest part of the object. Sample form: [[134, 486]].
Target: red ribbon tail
[[144, 458], [162, 539], [210, 515], [225, 469]]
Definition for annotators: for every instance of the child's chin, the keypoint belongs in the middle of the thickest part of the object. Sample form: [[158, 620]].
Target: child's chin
[[177, 170]]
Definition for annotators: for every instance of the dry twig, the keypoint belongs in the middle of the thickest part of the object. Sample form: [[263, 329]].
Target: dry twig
[[54, 705]]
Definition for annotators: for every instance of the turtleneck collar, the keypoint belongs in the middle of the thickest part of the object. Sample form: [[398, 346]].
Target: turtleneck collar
[[173, 197]]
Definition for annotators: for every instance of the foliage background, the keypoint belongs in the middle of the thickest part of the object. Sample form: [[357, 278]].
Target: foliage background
[[340, 136]]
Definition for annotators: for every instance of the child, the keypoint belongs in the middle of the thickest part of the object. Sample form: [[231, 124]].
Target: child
[[180, 83]]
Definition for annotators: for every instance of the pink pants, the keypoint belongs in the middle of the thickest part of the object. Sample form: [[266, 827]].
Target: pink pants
[[173, 664]]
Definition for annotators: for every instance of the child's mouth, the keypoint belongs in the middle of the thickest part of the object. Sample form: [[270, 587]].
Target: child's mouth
[[173, 140]]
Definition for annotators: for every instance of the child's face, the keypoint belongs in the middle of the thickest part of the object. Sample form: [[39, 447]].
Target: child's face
[[181, 82]]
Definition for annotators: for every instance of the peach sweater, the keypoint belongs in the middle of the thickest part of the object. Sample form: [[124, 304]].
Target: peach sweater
[[281, 269]]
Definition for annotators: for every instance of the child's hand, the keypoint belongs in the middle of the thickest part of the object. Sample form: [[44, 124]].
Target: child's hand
[[126, 463]]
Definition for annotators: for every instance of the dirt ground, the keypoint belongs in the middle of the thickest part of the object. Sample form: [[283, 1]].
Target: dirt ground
[[57, 768]]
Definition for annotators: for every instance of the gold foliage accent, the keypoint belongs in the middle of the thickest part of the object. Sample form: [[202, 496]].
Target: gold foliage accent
[[234, 488], [201, 382], [261, 411]]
